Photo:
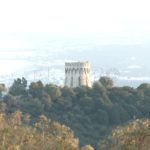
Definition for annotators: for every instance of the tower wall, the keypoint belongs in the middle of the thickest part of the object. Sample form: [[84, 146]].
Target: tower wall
[[77, 74]]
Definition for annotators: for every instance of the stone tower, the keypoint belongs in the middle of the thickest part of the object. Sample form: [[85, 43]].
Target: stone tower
[[77, 74]]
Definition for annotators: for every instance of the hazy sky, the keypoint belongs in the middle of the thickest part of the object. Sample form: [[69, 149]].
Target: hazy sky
[[116, 21], [36, 24], [121, 16]]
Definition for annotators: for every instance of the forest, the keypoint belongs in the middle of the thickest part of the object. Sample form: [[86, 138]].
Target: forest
[[100, 116]]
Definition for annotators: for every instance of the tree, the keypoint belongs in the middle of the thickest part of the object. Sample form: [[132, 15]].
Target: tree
[[106, 82], [11, 103], [81, 91], [87, 147], [101, 117], [47, 101], [143, 86], [44, 135], [98, 87], [87, 104], [134, 135], [53, 90], [2, 107], [36, 89], [90, 112], [67, 92], [2, 89], [18, 87], [65, 138]]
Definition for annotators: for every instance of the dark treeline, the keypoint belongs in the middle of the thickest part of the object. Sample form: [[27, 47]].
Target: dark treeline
[[90, 112]]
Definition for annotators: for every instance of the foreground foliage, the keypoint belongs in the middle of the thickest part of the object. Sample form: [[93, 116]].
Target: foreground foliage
[[91, 113], [133, 136], [45, 135]]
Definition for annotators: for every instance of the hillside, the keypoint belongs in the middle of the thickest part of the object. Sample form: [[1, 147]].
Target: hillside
[[91, 113]]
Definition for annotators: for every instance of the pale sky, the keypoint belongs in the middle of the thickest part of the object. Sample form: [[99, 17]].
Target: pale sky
[[29, 24], [75, 16]]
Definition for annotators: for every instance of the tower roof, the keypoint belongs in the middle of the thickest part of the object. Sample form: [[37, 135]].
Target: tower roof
[[78, 64]]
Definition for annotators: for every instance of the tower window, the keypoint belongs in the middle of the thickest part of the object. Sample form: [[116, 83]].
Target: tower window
[[71, 81], [79, 81]]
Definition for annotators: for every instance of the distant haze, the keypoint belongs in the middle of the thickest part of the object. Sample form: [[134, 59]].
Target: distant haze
[[44, 58], [38, 36]]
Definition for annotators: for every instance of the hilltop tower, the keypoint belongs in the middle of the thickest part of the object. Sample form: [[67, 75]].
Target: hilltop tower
[[77, 74]]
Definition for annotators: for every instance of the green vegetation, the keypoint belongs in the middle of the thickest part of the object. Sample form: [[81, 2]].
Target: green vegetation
[[91, 113], [2, 89]]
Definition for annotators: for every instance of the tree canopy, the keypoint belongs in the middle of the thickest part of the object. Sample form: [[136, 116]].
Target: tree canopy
[[91, 113]]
